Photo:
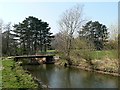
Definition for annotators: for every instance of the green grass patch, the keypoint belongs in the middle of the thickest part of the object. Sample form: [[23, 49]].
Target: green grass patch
[[51, 50], [13, 76], [106, 53], [111, 54], [0, 73], [0, 79]]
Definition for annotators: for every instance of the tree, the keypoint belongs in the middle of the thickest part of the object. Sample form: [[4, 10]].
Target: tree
[[59, 43], [113, 29], [9, 44], [1, 26], [33, 34], [119, 50], [7, 40], [69, 23], [96, 33], [111, 45]]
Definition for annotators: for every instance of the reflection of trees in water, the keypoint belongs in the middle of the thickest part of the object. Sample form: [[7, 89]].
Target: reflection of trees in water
[[95, 80], [107, 80], [87, 80], [61, 77], [118, 82], [45, 72], [41, 72], [72, 78], [66, 78], [58, 77]]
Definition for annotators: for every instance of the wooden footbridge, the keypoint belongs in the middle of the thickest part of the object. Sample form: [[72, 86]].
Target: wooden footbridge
[[38, 58]]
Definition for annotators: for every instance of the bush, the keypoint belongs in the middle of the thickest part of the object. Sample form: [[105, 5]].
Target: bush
[[111, 44]]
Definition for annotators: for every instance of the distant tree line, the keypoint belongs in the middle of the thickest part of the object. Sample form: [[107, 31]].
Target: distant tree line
[[28, 37]]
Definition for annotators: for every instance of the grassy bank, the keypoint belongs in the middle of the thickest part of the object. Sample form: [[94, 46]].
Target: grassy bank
[[113, 54], [13, 76], [0, 79], [102, 61]]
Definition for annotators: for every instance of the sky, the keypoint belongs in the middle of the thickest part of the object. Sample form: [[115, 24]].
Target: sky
[[50, 12]]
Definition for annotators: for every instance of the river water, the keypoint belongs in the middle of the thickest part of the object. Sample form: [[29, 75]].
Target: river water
[[62, 77]]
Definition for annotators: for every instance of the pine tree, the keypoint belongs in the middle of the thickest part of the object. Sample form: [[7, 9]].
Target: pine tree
[[34, 35], [96, 33]]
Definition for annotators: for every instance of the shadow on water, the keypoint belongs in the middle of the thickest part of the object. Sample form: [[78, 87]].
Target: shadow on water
[[61, 77]]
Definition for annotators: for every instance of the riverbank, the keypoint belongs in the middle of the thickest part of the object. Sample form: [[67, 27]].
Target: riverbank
[[105, 66], [13, 76]]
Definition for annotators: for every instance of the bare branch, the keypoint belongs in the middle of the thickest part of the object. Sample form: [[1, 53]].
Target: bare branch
[[70, 22]]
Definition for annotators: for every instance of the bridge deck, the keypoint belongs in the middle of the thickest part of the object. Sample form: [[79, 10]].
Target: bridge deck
[[49, 58], [33, 56]]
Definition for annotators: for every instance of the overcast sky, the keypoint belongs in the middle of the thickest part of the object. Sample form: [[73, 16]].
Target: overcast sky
[[104, 12]]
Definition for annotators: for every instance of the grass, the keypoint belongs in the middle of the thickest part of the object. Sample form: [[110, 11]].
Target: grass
[[51, 50], [105, 60], [0, 73], [102, 54], [0, 79], [13, 76], [99, 55]]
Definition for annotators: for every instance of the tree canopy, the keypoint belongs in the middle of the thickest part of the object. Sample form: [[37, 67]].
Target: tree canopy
[[30, 36], [95, 32]]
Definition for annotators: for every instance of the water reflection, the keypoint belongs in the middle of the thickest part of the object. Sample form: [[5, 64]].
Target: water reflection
[[61, 77]]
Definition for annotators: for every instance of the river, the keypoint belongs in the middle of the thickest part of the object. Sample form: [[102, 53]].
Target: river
[[62, 77]]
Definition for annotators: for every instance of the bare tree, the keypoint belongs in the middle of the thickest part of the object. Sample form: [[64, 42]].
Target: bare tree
[[70, 23], [6, 39], [59, 43], [113, 29], [1, 25]]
